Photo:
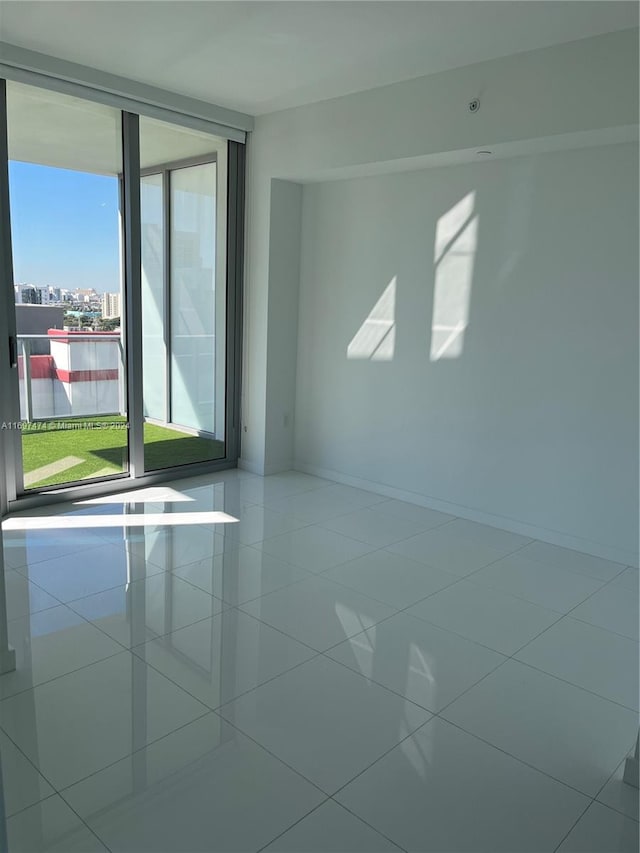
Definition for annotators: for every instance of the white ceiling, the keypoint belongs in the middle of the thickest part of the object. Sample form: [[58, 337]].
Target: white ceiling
[[257, 57], [52, 129]]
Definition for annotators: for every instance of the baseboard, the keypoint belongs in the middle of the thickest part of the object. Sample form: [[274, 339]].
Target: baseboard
[[553, 537], [7, 660], [251, 467], [264, 470]]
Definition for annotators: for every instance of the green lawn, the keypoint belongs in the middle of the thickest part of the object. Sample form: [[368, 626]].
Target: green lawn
[[103, 449]]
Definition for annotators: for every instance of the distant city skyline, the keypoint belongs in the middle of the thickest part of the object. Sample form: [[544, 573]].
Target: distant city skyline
[[64, 228]]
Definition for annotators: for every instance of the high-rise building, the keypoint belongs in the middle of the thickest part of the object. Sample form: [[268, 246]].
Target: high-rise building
[[28, 294], [47, 294], [110, 305]]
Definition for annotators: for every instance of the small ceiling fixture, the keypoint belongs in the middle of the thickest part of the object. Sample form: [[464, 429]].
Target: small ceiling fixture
[[485, 152]]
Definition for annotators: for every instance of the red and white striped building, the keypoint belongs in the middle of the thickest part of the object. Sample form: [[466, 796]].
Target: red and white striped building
[[81, 376]]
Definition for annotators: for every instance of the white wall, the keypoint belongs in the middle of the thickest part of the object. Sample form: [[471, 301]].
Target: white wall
[[574, 94], [528, 417], [284, 276]]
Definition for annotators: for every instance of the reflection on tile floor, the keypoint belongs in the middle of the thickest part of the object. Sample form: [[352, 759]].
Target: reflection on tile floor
[[320, 669]]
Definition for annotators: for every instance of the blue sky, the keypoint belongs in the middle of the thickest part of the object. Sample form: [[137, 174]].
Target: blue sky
[[64, 227]]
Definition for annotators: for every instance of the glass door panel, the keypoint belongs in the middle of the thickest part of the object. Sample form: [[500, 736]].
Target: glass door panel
[[193, 309], [154, 349], [183, 204], [65, 159]]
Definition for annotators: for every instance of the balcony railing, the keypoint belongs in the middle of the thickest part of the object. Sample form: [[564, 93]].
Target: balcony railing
[[71, 374]]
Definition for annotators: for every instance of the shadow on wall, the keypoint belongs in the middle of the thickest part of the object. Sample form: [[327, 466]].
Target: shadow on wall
[[454, 254]]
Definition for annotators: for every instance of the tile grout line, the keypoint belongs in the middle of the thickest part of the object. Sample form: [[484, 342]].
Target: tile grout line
[[512, 656], [61, 791], [217, 712], [58, 795], [24, 568], [130, 649], [572, 827], [249, 600], [84, 823], [456, 580], [320, 525], [613, 809], [560, 615], [439, 713], [239, 607], [53, 793], [504, 751], [576, 686], [340, 806], [589, 597], [486, 743], [156, 636], [322, 573], [295, 823], [610, 779], [217, 709], [409, 735], [370, 825], [63, 674], [119, 651]]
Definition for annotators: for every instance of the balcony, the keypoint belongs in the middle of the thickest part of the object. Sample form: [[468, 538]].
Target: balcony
[[73, 412], [71, 374]]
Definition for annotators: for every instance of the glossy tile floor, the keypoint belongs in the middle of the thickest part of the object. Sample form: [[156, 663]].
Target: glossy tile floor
[[239, 663]]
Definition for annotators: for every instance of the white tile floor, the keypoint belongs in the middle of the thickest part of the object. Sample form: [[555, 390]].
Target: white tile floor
[[333, 672]]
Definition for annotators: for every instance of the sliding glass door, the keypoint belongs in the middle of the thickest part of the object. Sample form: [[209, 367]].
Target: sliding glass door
[[120, 242], [193, 288], [184, 294], [65, 158]]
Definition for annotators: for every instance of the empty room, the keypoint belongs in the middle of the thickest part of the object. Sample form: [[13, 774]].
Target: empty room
[[319, 426]]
